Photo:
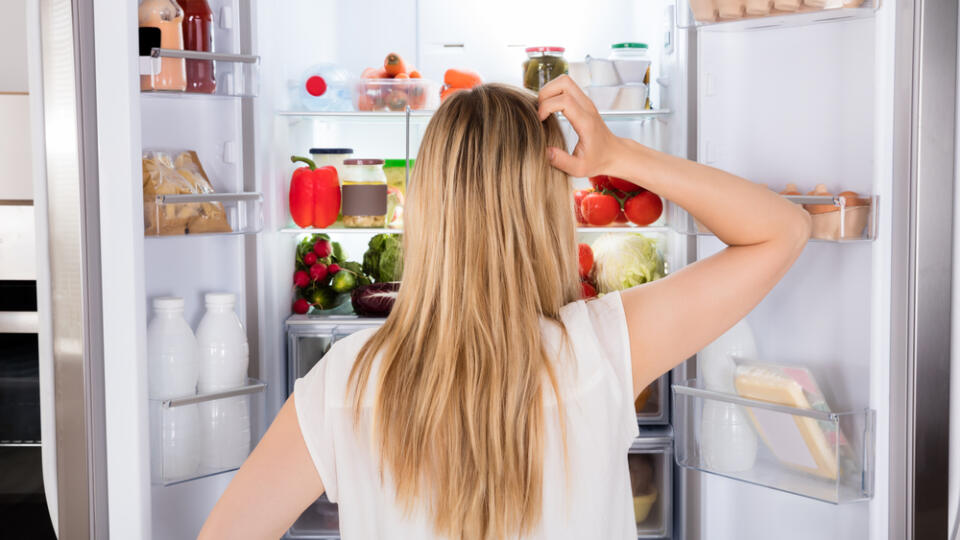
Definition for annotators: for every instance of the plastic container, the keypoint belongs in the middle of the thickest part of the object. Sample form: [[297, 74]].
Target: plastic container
[[331, 156], [325, 87], [396, 94], [603, 96], [173, 369], [602, 72], [651, 482], [543, 64], [631, 62], [580, 73], [396, 173], [363, 193], [631, 97]]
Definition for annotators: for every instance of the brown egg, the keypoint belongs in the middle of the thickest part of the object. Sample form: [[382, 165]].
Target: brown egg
[[820, 190], [853, 199], [791, 189]]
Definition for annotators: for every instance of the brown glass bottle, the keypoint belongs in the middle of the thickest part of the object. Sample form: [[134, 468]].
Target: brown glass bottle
[[198, 36]]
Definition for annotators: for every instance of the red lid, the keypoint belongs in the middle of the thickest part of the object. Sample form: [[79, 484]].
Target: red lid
[[367, 161], [545, 49], [316, 86]]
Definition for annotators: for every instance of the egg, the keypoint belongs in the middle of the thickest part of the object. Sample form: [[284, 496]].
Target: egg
[[821, 191]]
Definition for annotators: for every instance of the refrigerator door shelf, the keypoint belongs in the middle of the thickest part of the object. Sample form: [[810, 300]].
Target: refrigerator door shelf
[[833, 219], [743, 15], [811, 452], [236, 75], [201, 435], [173, 216], [651, 480], [321, 521], [652, 404]]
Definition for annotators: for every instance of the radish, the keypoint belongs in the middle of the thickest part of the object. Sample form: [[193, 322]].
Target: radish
[[318, 272], [301, 278], [322, 248]]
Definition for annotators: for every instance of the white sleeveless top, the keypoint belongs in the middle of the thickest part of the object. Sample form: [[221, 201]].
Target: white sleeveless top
[[596, 386]]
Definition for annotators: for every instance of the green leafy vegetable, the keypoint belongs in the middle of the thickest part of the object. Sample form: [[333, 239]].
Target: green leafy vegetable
[[622, 261], [383, 260]]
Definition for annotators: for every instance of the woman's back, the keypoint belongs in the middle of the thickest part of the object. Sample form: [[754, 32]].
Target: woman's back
[[586, 494]]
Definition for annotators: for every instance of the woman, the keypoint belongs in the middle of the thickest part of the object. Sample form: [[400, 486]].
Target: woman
[[492, 403]]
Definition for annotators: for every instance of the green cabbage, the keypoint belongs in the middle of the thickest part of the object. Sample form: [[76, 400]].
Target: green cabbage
[[622, 261], [383, 260]]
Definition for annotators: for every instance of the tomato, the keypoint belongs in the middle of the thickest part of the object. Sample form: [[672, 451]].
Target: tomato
[[622, 185], [599, 209], [578, 196], [586, 260], [587, 290], [600, 182], [643, 208], [621, 217]]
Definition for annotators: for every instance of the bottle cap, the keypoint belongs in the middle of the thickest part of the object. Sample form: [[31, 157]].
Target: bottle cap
[[220, 299], [168, 303]]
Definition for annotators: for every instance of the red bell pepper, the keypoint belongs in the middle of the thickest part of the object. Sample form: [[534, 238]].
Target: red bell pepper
[[314, 194]]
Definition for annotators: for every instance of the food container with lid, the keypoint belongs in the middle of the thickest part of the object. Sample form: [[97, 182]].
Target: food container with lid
[[631, 97], [331, 156], [363, 193], [580, 73], [396, 94], [603, 96], [631, 61], [602, 71], [543, 64]]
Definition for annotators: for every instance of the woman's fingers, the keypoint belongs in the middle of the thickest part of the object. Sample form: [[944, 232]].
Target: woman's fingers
[[570, 164], [565, 85]]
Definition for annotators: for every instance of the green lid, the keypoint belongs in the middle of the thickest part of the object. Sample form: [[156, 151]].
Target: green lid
[[629, 45], [397, 163]]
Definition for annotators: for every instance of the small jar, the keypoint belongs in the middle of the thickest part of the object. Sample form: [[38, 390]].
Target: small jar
[[331, 156], [396, 171], [543, 64], [363, 193]]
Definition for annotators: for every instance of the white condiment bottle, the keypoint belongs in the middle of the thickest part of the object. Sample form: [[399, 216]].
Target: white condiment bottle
[[224, 356], [173, 369], [728, 442]]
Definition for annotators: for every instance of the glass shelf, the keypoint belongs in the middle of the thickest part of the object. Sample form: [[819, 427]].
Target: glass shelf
[[401, 116], [814, 453], [206, 214], [200, 435], [236, 75], [709, 14]]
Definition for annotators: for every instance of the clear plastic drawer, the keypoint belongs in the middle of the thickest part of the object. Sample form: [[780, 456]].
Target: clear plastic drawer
[[321, 521], [652, 405], [811, 452], [201, 435], [651, 481]]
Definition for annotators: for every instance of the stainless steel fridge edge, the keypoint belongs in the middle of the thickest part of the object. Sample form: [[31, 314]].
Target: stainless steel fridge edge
[[924, 135], [73, 224]]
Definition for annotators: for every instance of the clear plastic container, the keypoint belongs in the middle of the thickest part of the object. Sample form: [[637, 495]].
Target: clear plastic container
[[543, 64], [331, 156], [396, 94], [363, 193], [651, 404], [631, 61], [325, 87], [651, 484]]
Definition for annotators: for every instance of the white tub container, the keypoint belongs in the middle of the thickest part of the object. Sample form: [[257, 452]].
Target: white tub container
[[631, 62]]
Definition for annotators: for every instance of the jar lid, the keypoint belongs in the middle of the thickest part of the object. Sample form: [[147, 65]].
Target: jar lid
[[629, 45], [397, 163], [331, 150], [363, 161], [545, 49], [168, 303], [219, 299]]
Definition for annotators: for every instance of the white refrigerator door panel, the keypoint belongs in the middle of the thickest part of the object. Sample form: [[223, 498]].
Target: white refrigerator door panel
[[796, 105]]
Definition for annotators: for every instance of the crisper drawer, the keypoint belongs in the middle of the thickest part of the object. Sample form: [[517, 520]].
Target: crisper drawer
[[652, 405], [651, 479], [309, 338]]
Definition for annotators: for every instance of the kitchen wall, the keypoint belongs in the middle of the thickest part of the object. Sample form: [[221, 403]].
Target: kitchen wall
[[15, 175]]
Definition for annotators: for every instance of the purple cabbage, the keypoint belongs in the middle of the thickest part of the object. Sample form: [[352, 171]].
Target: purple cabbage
[[374, 300]]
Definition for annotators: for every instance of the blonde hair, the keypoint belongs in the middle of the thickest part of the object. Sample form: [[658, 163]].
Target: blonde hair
[[489, 250]]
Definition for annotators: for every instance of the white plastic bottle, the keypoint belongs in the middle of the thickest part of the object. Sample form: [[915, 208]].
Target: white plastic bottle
[[224, 356], [173, 369], [727, 440]]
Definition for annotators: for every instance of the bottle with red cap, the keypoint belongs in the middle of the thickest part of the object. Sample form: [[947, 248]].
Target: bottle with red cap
[[325, 87]]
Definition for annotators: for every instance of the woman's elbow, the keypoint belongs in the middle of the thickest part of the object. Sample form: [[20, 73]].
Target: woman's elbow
[[798, 228]]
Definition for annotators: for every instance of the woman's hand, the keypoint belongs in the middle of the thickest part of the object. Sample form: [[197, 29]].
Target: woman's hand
[[597, 149]]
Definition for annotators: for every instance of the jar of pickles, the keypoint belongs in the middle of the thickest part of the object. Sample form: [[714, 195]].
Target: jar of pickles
[[363, 193], [543, 64]]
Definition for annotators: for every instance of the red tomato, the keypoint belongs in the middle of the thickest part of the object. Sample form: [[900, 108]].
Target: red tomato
[[586, 260], [599, 209], [621, 217], [622, 185], [578, 196], [587, 290], [600, 182], [643, 208]]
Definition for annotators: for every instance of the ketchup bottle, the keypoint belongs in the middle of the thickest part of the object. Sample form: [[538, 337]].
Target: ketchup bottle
[[198, 36]]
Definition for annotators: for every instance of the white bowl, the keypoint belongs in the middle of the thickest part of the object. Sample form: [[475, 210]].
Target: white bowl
[[580, 73], [631, 70], [602, 72], [603, 96], [631, 97]]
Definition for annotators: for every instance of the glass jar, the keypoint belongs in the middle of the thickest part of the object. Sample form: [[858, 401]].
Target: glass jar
[[363, 193], [167, 16], [543, 64], [331, 156]]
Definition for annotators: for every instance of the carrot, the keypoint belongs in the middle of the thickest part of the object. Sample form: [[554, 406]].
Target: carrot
[[462, 78], [401, 76], [374, 73], [414, 74], [393, 65], [447, 92]]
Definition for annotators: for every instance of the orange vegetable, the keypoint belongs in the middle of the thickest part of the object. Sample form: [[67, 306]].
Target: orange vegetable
[[448, 91], [394, 65], [373, 73], [462, 78], [401, 76], [414, 74]]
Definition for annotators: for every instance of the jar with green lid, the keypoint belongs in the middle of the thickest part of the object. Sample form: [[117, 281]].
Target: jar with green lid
[[363, 193], [632, 62], [396, 171], [543, 64]]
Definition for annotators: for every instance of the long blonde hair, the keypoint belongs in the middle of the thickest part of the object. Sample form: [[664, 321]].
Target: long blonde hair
[[489, 250]]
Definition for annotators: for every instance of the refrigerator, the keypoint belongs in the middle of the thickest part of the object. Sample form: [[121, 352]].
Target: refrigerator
[[860, 98]]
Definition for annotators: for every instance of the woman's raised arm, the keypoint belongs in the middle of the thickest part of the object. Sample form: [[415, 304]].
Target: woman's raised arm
[[671, 319]]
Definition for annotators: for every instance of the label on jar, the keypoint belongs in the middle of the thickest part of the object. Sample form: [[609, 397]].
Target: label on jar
[[364, 199]]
